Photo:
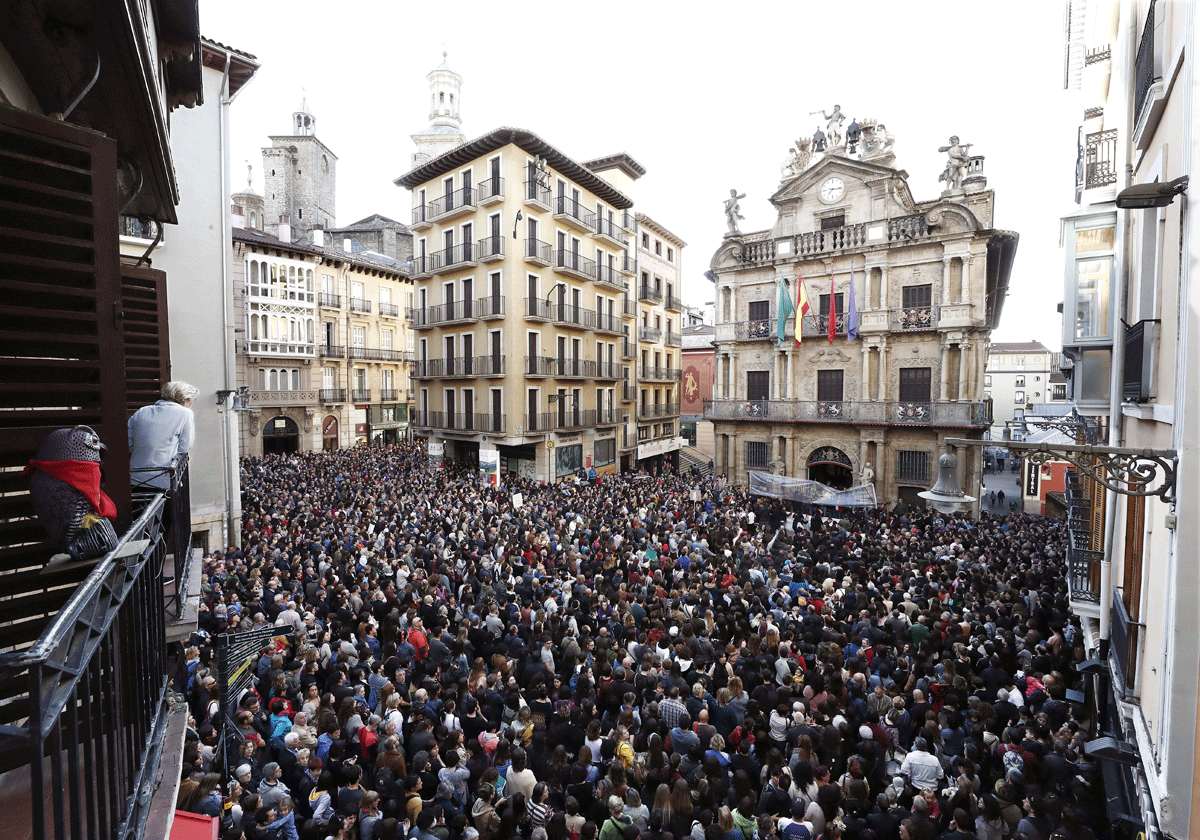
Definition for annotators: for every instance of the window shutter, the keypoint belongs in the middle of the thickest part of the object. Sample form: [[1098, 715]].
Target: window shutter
[[146, 338], [60, 314]]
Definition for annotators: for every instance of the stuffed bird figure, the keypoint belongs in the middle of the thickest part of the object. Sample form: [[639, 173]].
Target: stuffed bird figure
[[64, 482]]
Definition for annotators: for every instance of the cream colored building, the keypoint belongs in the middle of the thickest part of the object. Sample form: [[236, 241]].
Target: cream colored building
[[1016, 379], [325, 350], [929, 281], [1130, 325]]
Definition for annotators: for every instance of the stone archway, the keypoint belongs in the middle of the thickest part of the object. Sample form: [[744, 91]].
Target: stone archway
[[831, 466], [280, 436]]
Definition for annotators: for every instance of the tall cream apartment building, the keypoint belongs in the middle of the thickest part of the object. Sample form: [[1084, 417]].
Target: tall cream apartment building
[[529, 324], [929, 279]]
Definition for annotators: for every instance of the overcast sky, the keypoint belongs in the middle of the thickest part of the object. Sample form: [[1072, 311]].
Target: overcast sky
[[705, 96]]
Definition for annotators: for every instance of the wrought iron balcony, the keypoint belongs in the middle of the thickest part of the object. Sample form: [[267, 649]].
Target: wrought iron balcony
[[610, 276], [1143, 67], [674, 339], [541, 422], [538, 252], [422, 265], [610, 229], [489, 307], [609, 323], [537, 195], [757, 330], [490, 423], [490, 249], [537, 309], [329, 299], [574, 263], [935, 414], [574, 214], [447, 420], [649, 334], [649, 411], [361, 395], [332, 351], [914, 318], [609, 370], [601, 417], [628, 392], [568, 368], [489, 365], [360, 305], [628, 350], [84, 708], [659, 374], [332, 395], [388, 395], [442, 313], [445, 260], [628, 307], [444, 368], [649, 293], [673, 303], [1099, 154], [572, 315], [489, 190], [539, 365], [389, 310], [451, 205]]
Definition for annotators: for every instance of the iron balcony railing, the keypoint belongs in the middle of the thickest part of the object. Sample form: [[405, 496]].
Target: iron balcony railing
[[914, 318], [329, 299], [573, 262], [628, 392], [422, 264], [674, 339], [462, 421], [569, 368], [659, 374], [649, 334], [491, 423], [388, 395], [536, 307], [658, 410], [460, 199], [963, 414], [539, 365], [489, 365], [362, 395], [601, 417], [332, 395], [607, 275], [175, 483], [609, 370], [628, 307], [627, 349], [537, 251], [84, 709], [489, 307], [538, 194], [569, 313], [628, 264], [389, 310], [452, 367], [540, 422], [360, 305], [612, 229], [649, 293], [1143, 67], [673, 303], [441, 313], [569, 209], [609, 323], [332, 351], [376, 354], [489, 248], [453, 258], [571, 418], [1099, 159], [756, 330], [490, 188], [278, 346], [1083, 563]]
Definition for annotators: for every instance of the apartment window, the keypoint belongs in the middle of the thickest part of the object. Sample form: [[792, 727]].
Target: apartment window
[[829, 385], [670, 255], [358, 336], [758, 385], [657, 247], [912, 466], [605, 452], [646, 241], [759, 310], [1089, 280], [1060, 392], [917, 297], [1020, 383], [758, 454], [385, 339], [916, 384], [987, 380], [1019, 397]]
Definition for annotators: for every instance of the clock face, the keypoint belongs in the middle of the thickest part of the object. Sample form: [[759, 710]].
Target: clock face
[[832, 190]]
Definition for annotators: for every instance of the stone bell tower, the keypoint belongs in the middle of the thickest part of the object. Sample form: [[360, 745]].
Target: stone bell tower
[[445, 126]]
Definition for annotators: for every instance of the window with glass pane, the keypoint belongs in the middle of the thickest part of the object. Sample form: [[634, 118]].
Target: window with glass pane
[[915, 384], [757, 454], [829, 385], [1091, 297], [917, 297], [759, 310]]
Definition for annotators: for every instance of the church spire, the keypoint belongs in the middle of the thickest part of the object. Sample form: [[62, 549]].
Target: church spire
[[445, 123], [304, 124]]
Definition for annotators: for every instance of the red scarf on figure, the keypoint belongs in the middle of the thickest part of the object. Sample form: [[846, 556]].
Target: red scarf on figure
[[84, 476]]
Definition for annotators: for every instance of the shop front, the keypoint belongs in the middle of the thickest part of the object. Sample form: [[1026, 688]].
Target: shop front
[[386, 424], [329, 433], [659, 456]]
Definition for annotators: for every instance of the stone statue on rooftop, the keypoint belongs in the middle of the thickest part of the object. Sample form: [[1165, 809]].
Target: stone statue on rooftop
[[833, 126], [957, 159], [732, 214]]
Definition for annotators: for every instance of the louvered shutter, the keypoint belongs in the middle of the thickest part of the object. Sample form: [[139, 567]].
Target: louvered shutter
[[146, 340], [61, 353]]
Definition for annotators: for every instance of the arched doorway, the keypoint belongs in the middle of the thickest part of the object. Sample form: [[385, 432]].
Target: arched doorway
[[281, 436], [831, 467]]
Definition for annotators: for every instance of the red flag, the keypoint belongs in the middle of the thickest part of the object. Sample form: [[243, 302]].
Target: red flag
[[832, 310]]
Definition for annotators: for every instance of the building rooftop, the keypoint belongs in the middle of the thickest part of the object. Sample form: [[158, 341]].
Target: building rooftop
[[643, 219], [1018, 347], [370, 261], [373, 222], [621, 161], [528, 141]]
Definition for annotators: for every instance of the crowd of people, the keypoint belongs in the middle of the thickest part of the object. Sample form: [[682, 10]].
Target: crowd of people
[[616, 659]]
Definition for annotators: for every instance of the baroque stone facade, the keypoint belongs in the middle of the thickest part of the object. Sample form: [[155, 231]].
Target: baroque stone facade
[[913, 289]]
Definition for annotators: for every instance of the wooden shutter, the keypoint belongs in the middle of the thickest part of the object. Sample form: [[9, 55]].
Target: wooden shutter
[[146, 339], [1135, 535], [63, 360]]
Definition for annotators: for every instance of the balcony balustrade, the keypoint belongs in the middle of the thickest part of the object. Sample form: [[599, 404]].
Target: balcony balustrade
[[649, 293], [649, 334], [389, 310], [331, 395], [847, 238], [329, 299], [451, 205], [388, 395], [538, 252], [628, 350], [490, 190], [539, 365], [487, 308], [568, 314], [673, 339], [628, 308], [650, 411], [611, 230], [938, 414], [360, 305], [278, 398], [609, 323], [610, 276], [461, 256], [332, 351], [361, 395], [422, 265], [537, 309], [537, 195], [574, 264], [490, 249], [673, 303], [659, 374], [574, 214], [609, 370]]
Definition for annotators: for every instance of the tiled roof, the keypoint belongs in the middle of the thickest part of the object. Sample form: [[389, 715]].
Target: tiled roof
[[1018, 347], [364, 260]]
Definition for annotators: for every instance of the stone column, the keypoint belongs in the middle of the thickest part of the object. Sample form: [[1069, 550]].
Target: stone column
[[881, 292], [719, 361], [945, 384], [883, 373], [788, 366], [964, 285], [945, 280], [865, 389], [732, 383], [964, 351]]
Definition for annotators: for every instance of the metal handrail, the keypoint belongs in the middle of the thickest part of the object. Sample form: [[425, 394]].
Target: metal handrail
[[178, 491]]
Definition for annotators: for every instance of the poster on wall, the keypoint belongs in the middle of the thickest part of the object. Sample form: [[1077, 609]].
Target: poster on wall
[[489, 466], [437, 453]]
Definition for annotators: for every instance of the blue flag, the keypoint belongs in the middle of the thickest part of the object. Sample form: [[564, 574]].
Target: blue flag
[[852, 315]]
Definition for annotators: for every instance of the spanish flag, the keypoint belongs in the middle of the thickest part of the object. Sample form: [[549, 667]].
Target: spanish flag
[[802, 307]]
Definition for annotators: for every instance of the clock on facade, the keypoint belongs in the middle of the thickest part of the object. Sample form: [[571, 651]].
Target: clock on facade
[[832, 190]]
